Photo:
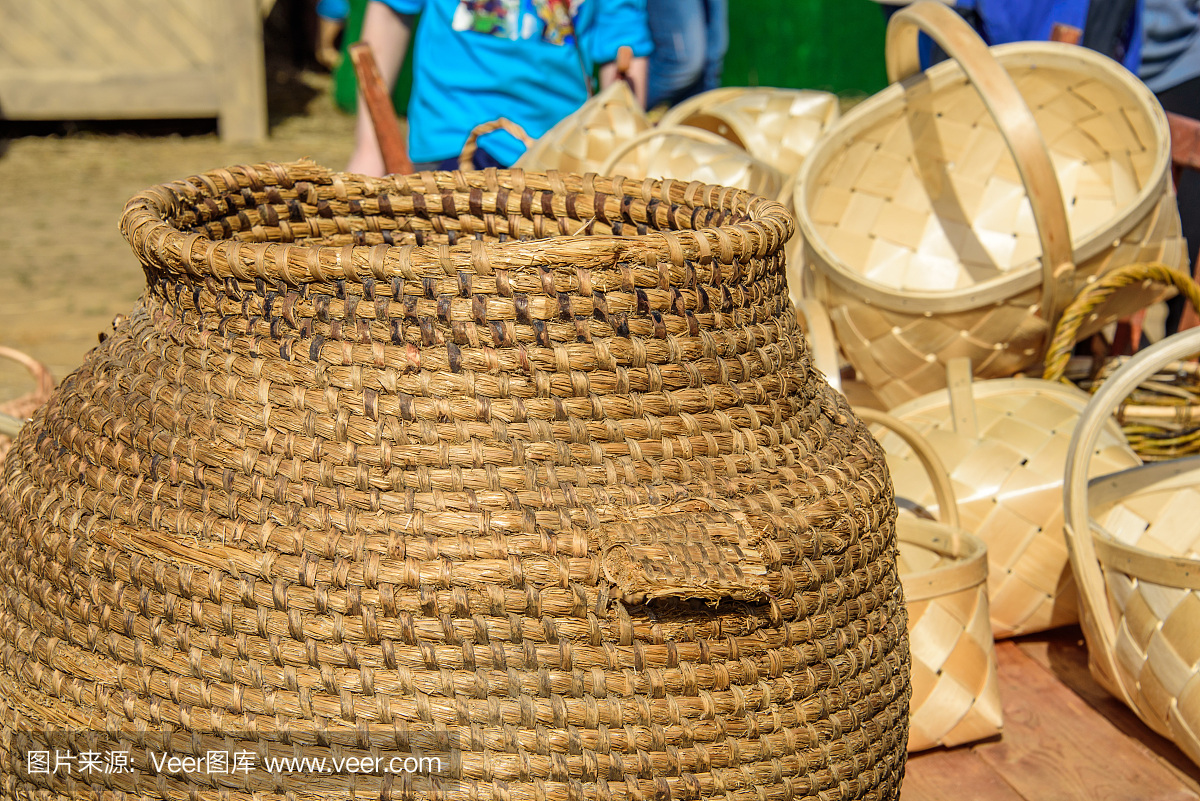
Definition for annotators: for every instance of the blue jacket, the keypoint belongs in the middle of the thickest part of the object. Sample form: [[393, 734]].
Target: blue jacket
[[476, 60]]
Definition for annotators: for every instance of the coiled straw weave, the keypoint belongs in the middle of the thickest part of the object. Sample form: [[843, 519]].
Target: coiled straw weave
[[532, 471]]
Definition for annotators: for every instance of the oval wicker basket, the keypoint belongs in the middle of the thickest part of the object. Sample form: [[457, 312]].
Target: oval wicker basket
[[955, 675], [1134, 538], [581, 141], [916, 214], [405, 465], [1004, 443]]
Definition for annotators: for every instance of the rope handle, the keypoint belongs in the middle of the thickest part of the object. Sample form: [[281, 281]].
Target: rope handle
[[943, 490], [1096, 294], [1081, 544], [465, 159], [698, 134], [1014, 121]]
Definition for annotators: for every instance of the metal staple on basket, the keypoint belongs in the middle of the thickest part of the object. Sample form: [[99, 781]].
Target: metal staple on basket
[[406, 465]]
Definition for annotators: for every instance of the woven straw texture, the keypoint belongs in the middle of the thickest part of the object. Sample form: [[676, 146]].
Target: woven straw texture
[[1135, 548], [955, 675], [916, 218], [406, 462], [21, 407], [1005, 454], [581, 141], [1160, 418]]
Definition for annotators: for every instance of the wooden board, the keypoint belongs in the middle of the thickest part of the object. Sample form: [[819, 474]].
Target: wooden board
[[1055, 745], [131, 59]]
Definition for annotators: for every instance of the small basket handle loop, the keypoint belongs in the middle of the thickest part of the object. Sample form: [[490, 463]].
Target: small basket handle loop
[[943, 489], [1095, 294], [472, 144]]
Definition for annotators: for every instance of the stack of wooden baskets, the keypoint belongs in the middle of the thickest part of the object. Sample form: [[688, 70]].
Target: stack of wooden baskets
[[946, 224]]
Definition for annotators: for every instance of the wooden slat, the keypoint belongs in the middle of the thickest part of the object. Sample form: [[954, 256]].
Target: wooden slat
[[1064, 654], [74, 94], [953, 775], [1056, 746]]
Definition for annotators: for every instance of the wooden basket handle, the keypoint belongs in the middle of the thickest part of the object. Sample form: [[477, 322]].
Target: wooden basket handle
[[1096, 294], [10, 423], [943, 490], [472, 144], [699, 134], [818, 330], [1080, 543], [1013, 119]]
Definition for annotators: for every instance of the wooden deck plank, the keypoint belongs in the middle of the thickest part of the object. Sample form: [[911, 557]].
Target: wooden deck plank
[[953, 775], [1056, 746], [1064, 654]]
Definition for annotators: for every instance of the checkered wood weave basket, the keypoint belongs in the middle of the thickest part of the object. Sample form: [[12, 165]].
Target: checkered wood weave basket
[[1004, 443], [957, 212], [532, 471], [1134, 538], [581, 141], [687, 153], [955, 676]]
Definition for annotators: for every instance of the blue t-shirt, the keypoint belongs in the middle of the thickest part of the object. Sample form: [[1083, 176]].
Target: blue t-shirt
[[476, 60]]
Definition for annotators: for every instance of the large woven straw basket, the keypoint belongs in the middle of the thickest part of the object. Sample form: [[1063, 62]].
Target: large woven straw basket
[[581, 141], [956, 213], [384, 467], [955, 676], [1004, 443], [1135, 548], [1160, 418]]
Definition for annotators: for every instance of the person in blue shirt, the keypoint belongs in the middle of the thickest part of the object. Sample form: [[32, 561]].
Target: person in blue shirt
[[530, 61]]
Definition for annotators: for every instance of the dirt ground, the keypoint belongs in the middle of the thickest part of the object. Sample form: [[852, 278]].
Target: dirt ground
[[65, 269]]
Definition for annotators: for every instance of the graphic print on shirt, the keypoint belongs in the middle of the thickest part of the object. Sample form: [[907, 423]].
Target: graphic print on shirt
[[550, 20]]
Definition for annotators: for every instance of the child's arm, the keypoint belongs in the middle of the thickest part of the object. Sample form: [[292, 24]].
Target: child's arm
[[388, 33], [637, 73]]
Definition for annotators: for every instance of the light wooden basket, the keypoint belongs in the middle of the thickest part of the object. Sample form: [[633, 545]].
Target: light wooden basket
[[1004, 443], [943, 568], [1134, 539], [685, 153], [778, 126], [581, 141], [14, 412], [956, 212]]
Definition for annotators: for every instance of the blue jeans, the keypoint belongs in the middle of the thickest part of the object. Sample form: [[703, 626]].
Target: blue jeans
[[690, 39]]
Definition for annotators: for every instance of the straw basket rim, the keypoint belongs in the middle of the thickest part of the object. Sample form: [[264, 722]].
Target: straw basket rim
[[1016, 280], [760, 226]]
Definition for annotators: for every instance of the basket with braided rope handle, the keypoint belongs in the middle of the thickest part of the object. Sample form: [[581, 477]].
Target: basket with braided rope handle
[[1161, 418]]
